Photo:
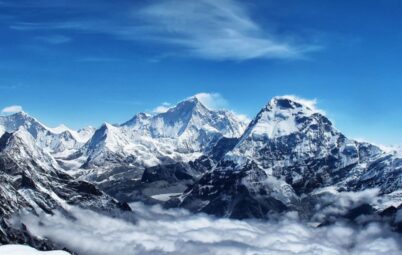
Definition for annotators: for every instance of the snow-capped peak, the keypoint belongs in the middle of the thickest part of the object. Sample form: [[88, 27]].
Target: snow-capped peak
[[55, 140], [138, 120], [182, 133], [107, 135], [60, 129], [186, 108], [13, 122], [282, 122], [309, 104], [191, 116], [282, 116], [21, 146], [286, 103]]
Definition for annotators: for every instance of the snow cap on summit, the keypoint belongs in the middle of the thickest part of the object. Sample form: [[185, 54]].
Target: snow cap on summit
[[310, 104]]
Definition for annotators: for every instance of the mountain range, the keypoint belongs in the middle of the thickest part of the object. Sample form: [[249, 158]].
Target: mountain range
[[290, 157]]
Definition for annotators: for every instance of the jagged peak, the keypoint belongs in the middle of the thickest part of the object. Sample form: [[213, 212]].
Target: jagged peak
[[22, 118], [60, 129], [18, 115], [106, 126], [21, 113], [138, 118], [284, 115], [23, 133], [21, 138], [292, 102], [90, 127], [189, 104]]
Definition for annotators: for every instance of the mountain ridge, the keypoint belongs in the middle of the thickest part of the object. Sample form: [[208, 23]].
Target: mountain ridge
[[288, 151]]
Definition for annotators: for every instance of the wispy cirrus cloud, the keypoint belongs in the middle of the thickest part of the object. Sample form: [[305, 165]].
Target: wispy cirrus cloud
[[54, 39], [98, 59], [222, 30], [207, 29]]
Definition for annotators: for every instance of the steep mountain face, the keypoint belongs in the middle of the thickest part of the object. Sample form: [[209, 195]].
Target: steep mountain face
[[290, 157], [181, 134], [291, 141], [31, 179], [230, 191], [286, 132], [60, 140], [295, 150]]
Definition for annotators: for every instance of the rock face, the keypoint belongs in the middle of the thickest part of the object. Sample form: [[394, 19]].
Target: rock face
[[31, 179], [288, 152], [243, 192]]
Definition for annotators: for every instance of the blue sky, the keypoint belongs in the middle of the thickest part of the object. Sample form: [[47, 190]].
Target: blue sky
[[85, 62]]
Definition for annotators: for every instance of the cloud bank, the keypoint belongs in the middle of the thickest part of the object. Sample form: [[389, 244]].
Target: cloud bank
[[159, 231], [213, 101]]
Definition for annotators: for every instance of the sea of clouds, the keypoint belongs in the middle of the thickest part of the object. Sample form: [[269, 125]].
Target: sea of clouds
[[176, 231]]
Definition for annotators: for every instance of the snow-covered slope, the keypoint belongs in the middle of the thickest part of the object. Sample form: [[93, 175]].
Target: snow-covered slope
[[286, 132], [183, 133], [31, 179], [60, 140], [290, 140], [292, 145], [288, 152], [14, 249]]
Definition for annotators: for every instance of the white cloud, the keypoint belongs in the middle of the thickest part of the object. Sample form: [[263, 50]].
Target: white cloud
[[212, 100], [164, 107], [12, 109], [242, 117], [222, 30], [216, 101], [208, 29], [159, 231], [310, 103]]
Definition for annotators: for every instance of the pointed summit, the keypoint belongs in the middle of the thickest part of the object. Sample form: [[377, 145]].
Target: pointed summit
[[289, 102], [13, 122], [55, 140], [283, 116], [138, 120], [191, 116], [188, 106], [287, 125], [182, 133]]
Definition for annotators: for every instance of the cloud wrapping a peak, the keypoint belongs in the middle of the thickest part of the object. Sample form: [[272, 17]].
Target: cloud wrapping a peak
[[213, 101], [12, 109], [164, 107], [310, 103]]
